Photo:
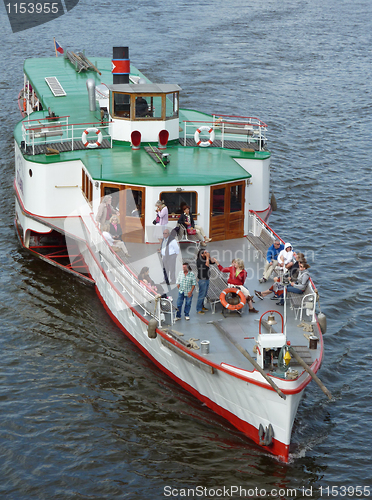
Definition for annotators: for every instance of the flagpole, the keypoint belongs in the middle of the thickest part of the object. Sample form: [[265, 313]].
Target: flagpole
[[55, 47]]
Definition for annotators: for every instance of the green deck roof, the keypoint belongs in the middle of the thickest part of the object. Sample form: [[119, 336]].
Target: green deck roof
[[188, 165]]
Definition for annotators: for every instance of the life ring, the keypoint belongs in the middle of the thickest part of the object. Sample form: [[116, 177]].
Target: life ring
[[88, 144], [232, 307], [24, 105], [204, 144]]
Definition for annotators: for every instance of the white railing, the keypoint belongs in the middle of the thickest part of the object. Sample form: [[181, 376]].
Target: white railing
[[122, 276], [58, 130], [230, 128], [255, 227]]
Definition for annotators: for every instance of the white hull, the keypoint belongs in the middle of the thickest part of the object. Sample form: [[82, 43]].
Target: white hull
[[242, 397]]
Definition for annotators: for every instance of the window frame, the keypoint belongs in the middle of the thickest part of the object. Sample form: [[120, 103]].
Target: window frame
[[176, 216], [174, 99]]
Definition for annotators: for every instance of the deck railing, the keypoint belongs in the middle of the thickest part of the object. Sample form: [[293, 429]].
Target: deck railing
[[230, 128], [124, 279], [256, 225], [58, 130], [260, 229]]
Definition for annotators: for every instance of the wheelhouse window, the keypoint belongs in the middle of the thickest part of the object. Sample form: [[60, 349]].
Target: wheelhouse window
[[171, 105], [148, 106], [145, 106], [175, 199], [121, 105]]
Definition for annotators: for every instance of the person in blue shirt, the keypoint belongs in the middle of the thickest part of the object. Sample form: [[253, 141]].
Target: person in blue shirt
[[271, 259]]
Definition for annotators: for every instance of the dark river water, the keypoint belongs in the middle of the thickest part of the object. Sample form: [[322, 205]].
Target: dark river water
[[84, 415]]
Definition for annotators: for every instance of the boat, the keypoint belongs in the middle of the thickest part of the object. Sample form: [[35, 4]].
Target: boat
[[82, 137]]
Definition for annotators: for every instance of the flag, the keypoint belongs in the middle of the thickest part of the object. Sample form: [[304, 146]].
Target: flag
[[58, 47]]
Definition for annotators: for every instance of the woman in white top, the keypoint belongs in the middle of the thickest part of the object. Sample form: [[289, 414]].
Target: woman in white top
[[286, 257]]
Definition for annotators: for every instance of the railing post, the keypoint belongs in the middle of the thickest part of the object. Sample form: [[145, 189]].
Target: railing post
[[259, 138], [158, 312], [72, 136]]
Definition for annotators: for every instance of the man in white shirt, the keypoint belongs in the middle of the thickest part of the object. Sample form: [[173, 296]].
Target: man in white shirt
[[169, 250]]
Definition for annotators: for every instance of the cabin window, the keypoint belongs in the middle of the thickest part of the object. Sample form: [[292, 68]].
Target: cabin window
[[87, 187], [115, 195], [133, 202], [236, 198], [120, 105], [148, 106], [171, 105], [174, 199], [218, 201]]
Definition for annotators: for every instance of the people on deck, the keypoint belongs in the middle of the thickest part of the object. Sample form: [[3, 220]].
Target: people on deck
[[186, 283], [277, 289], [169, 251], [117, 245], [187, 221], [298, 257], [144, 276], [115, 228], [203, 263], [286, 257], [105, 210], [161, 219], [237, 277], [271, 259], [299, 286]]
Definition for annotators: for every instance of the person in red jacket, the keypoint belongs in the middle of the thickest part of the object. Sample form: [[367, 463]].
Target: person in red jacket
[[237, 277]]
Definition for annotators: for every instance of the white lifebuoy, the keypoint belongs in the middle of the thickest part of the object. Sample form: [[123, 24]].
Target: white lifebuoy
[[88, 144], [197, 136]]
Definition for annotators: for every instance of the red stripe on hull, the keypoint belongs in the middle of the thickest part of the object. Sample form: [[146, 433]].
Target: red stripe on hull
[[277, 448]]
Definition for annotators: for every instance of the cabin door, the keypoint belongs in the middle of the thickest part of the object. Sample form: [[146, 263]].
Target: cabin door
[[130, 201], [132, 213], [227, 211]]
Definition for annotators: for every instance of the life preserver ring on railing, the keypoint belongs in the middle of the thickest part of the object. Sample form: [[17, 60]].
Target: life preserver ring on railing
[[88, 144], [197, 136], [232, 307]]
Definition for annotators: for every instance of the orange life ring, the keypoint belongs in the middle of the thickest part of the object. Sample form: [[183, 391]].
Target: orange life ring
[[232, 307], [24, 105]]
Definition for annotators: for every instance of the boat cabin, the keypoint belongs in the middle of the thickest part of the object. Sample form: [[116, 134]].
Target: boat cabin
[[145, 108]]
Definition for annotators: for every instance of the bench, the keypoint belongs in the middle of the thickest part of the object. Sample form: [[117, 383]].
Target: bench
[[261, 243], [299, 302], [43, 132], [184, 237], [217, 283]]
